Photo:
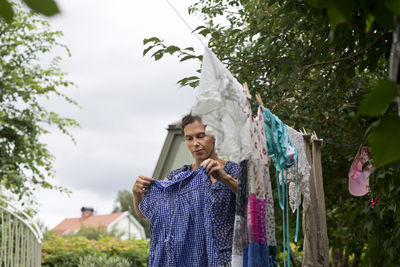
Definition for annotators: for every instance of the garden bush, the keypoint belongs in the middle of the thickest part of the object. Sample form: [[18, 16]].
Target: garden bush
[[103, 261], [68, 251]]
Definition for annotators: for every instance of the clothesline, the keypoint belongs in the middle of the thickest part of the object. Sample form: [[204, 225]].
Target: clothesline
[[324, 141], [338, 144], [184, 21]]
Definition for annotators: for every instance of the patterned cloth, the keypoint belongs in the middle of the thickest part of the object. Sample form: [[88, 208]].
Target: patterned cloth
[[303, 170], [222, 209], [254, 235], [259, 177], [254, 241], [181, 221]]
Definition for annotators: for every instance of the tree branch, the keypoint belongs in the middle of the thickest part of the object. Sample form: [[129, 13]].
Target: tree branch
[[343, 58]]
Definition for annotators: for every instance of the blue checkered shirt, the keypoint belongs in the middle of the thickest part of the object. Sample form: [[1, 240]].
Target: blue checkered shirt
[[181, 226], [223, 202]]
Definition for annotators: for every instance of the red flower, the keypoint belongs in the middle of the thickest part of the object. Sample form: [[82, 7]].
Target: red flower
[[377, 199]]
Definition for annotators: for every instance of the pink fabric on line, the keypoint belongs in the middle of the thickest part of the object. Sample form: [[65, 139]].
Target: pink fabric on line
[[358, 176], [256, 219]]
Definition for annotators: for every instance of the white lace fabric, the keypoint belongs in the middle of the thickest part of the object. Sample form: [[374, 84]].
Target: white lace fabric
[[303, 170], [224, 109]]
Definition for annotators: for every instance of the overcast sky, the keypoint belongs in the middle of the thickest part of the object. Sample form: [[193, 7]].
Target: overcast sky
[[127, 100]]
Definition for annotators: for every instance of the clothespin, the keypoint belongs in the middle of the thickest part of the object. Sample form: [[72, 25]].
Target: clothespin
[[259, 100], [247, 91], [315, 137]]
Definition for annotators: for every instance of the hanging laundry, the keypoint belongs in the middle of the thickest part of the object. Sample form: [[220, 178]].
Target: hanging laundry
[[240, 235], [302, 170], [262, 181], [280, 149], [315, 244], [358, 176], [224, 109], [178, 209], [254, 242], [284, 155]]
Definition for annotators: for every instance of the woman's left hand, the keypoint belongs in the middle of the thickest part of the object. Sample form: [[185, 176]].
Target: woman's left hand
[[215, 169]]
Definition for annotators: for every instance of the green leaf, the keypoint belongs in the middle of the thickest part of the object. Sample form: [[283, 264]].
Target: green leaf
[[158, 55], [199, 27], [171, 49], [145, 51], [152, 39], [187, 57], [385, 142], [368, 225], [383, 15], [189, 49], [45, 7], [6, 10], [368, 22], [346, 7], [215, 35], [317, 3], [377, 101], [372, 59], [335, 15], [394, 6], [191, 81], [204, 32]]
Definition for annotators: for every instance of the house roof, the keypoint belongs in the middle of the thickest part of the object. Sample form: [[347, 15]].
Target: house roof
[[69, 225], [175, 125]]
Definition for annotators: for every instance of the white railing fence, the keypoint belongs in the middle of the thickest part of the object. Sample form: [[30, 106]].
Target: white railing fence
[[20, 238]]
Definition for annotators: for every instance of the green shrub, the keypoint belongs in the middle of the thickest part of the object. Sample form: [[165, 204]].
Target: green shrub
[[93, 233], [103, 261], [67, 251]]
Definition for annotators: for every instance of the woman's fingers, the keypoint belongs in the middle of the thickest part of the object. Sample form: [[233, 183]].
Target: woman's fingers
[[214, 170], [145, 183], [145, 178], [142, 184], [205, 163], [209, 163]]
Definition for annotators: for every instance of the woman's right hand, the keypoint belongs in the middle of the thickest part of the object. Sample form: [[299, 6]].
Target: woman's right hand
[[142, 184]]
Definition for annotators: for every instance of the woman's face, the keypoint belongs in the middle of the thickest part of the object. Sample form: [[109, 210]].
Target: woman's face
[[199, 144]]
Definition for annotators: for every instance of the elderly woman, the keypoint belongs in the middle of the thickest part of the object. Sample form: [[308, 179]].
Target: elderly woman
[[223, 175]]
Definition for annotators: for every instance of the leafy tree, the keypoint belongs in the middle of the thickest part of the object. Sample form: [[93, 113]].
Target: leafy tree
[[313, 62], [25, 83], [45, 7], [124, 202]]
